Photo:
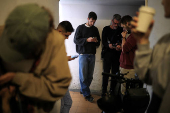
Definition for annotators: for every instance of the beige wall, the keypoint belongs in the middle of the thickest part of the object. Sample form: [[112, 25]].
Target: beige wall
[[6, 6]]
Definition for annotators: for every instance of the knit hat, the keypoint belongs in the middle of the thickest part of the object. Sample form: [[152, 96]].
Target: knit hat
[[25, 29]]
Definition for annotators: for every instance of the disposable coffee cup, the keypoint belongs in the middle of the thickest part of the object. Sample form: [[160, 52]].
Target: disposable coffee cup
[[145, 17]]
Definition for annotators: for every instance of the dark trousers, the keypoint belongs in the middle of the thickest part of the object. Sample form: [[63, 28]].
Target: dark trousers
[[154, 104], [110, 62]]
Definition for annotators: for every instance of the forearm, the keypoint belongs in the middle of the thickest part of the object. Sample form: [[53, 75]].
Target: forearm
[[143, 41], [123, 41], [142, 62], [80, 41], [41, 88], [105, 44], [98, 42]]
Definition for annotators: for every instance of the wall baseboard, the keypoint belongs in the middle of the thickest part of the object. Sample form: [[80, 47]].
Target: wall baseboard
[[94, 92]]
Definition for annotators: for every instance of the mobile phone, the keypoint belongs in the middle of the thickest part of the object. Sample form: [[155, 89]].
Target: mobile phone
[[114, 45], [74, 56]]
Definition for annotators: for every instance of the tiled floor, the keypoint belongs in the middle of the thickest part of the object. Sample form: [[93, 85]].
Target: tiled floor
[[80, 105]]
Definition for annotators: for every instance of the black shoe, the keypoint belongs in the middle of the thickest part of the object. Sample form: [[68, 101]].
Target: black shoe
[[104, 92], [89, 98], [103, 95], [111, 92], [81, 92]]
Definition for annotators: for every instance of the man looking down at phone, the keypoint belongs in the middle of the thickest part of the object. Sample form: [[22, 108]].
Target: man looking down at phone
[[129, 46], [111, 40], [65, 28], [86, 48]]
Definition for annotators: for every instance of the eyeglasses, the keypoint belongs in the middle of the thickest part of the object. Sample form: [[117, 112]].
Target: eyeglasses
[[116, 23]]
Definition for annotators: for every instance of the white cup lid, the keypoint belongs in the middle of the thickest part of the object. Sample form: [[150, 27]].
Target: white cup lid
[[147, 9]]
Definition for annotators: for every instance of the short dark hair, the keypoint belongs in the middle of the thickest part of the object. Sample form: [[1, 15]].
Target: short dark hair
[[126, 19], [92, 15], [66, 26], [117, 17]]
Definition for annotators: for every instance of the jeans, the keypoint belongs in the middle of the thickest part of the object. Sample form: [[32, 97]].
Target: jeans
[[86, 69], [66, 103]]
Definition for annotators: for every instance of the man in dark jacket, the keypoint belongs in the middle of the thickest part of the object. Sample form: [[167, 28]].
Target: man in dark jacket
[[111, 40], [87, 38]]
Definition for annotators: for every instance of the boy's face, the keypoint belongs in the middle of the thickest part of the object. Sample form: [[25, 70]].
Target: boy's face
[[66, 34], [166, 4]]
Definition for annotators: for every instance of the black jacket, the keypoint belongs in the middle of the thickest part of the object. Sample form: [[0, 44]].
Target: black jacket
[[111, 36], [82, 33]]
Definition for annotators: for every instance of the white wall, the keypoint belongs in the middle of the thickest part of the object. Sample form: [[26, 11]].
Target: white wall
[[6, 6], [162, 25], [77, 14]]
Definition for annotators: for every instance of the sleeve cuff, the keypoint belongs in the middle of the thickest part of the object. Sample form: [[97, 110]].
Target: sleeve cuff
[[18, 79], [143, 47]]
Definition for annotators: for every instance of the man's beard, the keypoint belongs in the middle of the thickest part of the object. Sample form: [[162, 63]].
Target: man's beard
[[89, 24], [115, 27]]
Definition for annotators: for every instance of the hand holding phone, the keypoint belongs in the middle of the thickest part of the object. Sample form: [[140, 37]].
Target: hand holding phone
[[92, 39], [74, 56], [95, 39]]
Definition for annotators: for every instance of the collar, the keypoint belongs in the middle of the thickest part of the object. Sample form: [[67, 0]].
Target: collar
[[86, 25]]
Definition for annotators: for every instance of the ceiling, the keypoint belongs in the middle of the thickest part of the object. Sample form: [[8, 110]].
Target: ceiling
[[104, 2]]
